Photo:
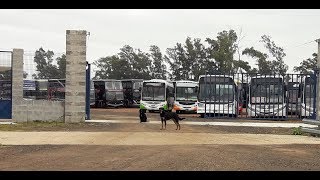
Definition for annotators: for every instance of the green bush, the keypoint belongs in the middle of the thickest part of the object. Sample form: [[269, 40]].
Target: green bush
[[297, 131]]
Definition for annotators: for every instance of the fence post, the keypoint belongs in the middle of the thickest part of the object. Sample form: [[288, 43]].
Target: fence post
[[318, 84], [88, 91], [76, 48], [18, 107]]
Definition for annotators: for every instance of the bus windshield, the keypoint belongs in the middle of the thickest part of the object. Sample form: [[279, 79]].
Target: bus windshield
[[137, 85], [216, 92], [153, 91], [266, 93], [117, 85], [309, 94], [293, 89], [186, 94]]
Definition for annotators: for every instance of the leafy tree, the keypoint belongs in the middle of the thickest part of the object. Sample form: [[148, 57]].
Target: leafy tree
[[266, 66], [127, 64], [25, 74], [45, 67], [223, 49], [158, 68], [175, 58], [307, 66], [61, 61], [5, 75], [278, 53]]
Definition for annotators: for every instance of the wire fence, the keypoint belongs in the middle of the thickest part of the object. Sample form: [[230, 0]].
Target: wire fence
[[44, 75], [257, 96], [5, 75]]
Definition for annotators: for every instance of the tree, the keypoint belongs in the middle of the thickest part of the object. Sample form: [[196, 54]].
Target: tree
[[307, 66], [45, 67], [278, 53], [127, 64], [222, 50], [158, 68], [188, 61], [61, 61], [138, 62], [25, 74], [199, 58], [5, 75], [176, 58], [266, 66]]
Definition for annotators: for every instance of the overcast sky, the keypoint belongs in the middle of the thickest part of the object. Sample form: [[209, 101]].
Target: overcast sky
[[111, 29]]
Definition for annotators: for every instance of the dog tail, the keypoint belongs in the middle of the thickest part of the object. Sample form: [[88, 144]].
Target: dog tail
[[181, 118]]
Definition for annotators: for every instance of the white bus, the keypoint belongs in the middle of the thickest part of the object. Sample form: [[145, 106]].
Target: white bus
[[155, 93], [293, 87], [218, 96], [186, 93], [267, 97], [307, 93]]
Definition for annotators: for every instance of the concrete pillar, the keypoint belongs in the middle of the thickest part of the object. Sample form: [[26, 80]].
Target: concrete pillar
[[18, 107], [75, 76]]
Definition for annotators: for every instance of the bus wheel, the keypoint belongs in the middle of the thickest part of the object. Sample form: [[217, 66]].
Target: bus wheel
[[202, 115]]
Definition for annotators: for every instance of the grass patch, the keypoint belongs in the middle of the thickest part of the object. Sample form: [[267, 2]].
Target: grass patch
[[297, 131], [39, 126]]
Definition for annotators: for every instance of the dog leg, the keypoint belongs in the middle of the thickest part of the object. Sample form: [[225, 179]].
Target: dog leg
[[165, 124], [161, 124], [175, 122]]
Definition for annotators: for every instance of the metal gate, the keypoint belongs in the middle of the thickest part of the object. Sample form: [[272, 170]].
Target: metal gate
[[5, 84], [256, 96]]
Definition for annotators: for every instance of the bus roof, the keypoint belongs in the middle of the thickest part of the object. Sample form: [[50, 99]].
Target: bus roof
[[266, 76], [185, 83], [236, 80], [216, 75], [96, 80], [160, 81], [140, 80]]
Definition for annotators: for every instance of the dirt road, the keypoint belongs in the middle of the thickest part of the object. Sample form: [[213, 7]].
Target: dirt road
[[143, 146]]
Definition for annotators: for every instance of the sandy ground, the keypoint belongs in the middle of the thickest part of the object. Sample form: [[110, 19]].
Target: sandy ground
[[143, 146]]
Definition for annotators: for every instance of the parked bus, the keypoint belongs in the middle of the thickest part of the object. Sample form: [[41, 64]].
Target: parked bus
[[56, 89], [155, 93], [267, 97], [218, 96], [293, 98], [109, 92], [307, 94], [132, 92], [186, 93], [42, 88], [29, 89]]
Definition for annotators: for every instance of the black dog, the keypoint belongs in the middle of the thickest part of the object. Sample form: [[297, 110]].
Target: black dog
[[167, 115], [143, 116]]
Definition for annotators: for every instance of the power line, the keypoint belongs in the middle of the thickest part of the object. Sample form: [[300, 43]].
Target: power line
[[302, 44]]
